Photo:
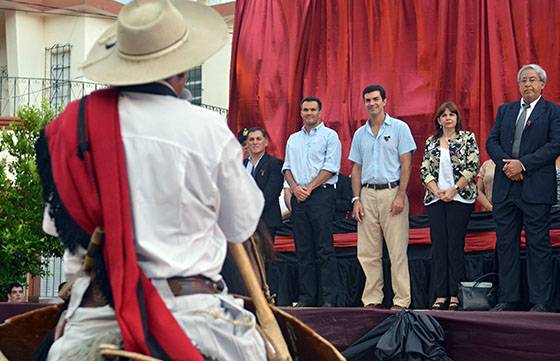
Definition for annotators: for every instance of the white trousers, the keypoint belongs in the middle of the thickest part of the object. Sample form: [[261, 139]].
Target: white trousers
[[217, 324]]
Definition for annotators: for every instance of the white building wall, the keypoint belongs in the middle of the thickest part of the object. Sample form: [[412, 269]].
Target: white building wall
[[93, 29], [215, 77], [24, 58], [216, 70], [62, 30], [24, 44], [3, 57], [80, 32], [28, 35]]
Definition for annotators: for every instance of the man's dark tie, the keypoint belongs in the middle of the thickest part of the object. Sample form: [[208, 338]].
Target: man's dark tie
[[519, 131]]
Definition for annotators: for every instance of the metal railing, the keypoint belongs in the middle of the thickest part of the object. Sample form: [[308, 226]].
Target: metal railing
[[222, 111], [18, 91]]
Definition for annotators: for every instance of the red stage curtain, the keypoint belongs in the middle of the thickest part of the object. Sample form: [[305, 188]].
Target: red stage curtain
[[423, 52]]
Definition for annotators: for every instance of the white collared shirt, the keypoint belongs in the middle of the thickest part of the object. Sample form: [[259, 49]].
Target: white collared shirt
[[529, 110], [380, 154], [445, 177], [308, 153], [189, 190], [250, 166]]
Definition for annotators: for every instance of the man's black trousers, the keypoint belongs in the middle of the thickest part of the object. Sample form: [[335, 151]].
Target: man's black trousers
[[510, 215], [317, 264]]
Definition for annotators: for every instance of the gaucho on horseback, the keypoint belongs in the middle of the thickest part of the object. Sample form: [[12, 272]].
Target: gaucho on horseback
[[160, 184]]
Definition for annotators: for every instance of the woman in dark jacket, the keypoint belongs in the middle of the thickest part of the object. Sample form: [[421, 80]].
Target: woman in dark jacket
[[448, 172]]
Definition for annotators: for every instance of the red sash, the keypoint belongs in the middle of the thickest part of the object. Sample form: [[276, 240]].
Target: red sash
[[92, 186]]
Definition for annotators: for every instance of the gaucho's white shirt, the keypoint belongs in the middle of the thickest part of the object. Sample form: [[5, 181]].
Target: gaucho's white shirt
[[188, 187]]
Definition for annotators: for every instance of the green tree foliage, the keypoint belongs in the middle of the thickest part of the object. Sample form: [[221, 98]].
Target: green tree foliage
[[22, 241]]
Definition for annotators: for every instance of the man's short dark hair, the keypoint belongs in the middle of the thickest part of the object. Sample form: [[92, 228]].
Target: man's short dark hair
[[258, 129], [14, 285], [372, 88], [312, 99]]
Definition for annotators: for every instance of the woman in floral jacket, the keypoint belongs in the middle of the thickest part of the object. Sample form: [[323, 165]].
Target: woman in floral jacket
[[448, 172]]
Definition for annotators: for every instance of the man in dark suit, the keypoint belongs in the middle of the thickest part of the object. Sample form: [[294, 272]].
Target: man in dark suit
[[267, 172], [524, 142]]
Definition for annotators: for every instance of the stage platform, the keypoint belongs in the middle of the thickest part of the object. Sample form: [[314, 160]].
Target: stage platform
[[479, 260], [470, 336], [478, 336]]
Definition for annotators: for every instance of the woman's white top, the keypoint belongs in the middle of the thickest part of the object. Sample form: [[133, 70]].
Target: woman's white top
[[445, 177]]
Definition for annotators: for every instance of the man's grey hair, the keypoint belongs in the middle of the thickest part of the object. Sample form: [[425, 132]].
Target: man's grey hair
[[536, 67]]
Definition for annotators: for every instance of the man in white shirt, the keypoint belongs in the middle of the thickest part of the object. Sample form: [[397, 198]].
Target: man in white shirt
[[311, 169], [381, 153], [165, 180]]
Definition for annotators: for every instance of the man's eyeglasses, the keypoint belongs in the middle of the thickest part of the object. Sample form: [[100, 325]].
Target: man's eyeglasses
[[531, 80]]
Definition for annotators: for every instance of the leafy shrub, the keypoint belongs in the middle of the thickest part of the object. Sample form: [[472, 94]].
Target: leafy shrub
[[22, 241]]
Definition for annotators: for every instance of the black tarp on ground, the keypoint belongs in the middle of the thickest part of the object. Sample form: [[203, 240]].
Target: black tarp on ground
[[469, 336], [404, 336]]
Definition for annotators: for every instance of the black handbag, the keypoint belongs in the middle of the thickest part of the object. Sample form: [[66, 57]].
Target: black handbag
[[477, 295]]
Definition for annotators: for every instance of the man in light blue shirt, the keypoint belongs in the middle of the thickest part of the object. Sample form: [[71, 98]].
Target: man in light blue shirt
[[311, 169], [382, 153]]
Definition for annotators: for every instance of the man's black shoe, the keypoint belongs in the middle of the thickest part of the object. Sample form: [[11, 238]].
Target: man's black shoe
[[505, 306], [539, 307]]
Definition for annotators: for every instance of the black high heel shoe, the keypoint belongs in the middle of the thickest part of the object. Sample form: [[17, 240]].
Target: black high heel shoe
[[453, 305], [439, 306]]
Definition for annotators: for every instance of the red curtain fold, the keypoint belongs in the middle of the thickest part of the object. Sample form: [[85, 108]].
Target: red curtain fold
[[423, 52]]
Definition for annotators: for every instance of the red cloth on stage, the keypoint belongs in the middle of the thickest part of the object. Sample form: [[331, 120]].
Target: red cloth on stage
[[146, 324], [475, 241], [423, 52]]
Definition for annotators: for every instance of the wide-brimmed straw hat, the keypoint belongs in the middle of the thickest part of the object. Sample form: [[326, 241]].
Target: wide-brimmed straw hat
[[154, 40]]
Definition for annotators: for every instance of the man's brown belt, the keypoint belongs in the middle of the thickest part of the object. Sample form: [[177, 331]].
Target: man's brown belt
[[180, 286]]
